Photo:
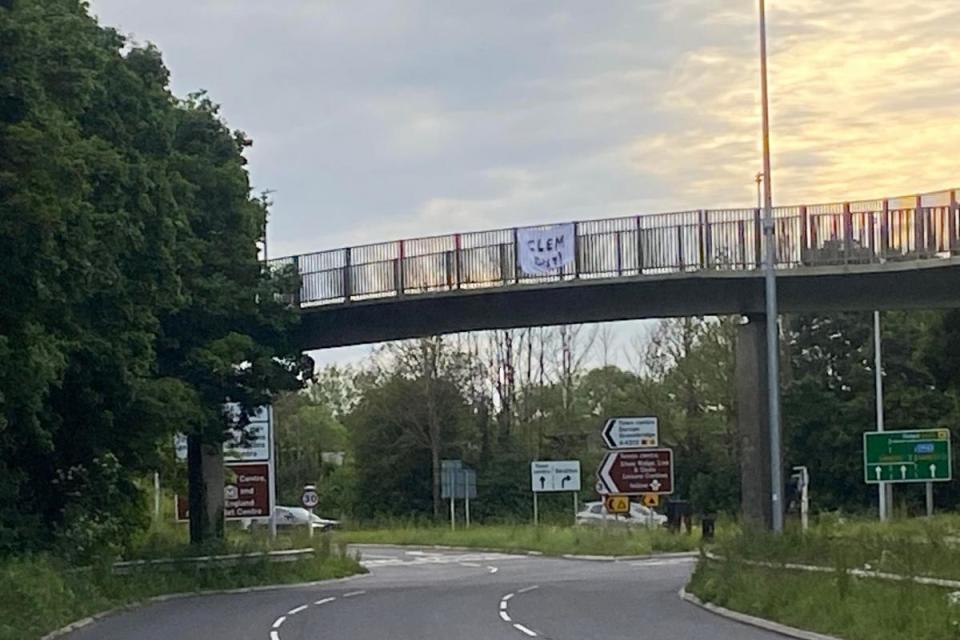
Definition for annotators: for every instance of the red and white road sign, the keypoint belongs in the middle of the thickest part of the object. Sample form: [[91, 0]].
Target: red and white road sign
[[637, 471]]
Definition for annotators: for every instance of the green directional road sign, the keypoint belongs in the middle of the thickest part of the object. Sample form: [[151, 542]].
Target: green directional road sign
[[907, 456]]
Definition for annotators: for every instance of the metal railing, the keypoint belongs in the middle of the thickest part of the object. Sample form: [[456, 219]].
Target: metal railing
[[916, 227]]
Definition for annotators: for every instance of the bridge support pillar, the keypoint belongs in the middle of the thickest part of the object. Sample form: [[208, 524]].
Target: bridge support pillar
[[752, 423]]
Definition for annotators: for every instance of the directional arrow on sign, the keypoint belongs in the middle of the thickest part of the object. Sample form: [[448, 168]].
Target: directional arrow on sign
[[543, 481], [627, 433], [637, 471], [564, 481]]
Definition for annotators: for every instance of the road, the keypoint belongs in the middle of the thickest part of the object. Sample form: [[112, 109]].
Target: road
[[426, 594]]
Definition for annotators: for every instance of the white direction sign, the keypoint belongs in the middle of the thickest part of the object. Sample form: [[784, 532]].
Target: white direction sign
[[631, 433], [554, 475]]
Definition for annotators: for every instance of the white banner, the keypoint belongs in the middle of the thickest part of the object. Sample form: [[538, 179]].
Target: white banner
[[544, 250]]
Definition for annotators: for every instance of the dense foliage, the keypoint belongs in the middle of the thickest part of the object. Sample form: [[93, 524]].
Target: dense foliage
[[502, 399], [133, 300]]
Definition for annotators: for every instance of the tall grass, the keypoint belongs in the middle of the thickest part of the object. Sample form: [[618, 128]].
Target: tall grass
[[919, 546], [838, 603], [834, 604]]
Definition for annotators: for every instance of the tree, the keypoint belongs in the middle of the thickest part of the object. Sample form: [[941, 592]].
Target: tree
[[133, 299]]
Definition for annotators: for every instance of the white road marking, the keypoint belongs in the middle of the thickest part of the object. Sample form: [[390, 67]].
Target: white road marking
[[324, 601], [507, 597], [503, 604], [274, 635], [353, 593], [663, 563], [424, 558], [297, 610], [492, 569], [523, 629], [505, 616], [528, 589], [279, 621], [470, 564]]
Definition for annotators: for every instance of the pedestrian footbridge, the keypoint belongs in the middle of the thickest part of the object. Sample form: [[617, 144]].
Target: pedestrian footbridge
[[888, 253]]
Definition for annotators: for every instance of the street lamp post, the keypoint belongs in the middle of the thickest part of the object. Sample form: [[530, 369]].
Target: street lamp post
[[770, 282]]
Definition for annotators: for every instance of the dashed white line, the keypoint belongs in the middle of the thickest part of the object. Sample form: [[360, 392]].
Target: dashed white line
[[523, 629], [492, 569], [506, 616], [275, 635], [472, 565]]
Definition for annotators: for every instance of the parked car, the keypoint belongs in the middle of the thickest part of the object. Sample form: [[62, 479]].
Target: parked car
[[298, 517], [595, 513]]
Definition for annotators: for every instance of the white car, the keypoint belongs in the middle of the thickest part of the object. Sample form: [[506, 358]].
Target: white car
[[594, 513], [297, 517]]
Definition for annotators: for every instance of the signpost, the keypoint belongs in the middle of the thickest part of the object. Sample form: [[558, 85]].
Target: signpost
[[907, 456], [457, 481], [551, 476], [617, 504], [250, 481], [630, 433], [309, 499], [637, 472], [901, 457]]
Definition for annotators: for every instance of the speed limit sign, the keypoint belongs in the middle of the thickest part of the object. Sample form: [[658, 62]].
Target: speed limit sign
[[309, 498]]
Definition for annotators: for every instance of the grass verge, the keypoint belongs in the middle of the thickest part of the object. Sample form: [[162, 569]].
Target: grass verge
[[915, 547], [835, 604], [39, 594], [550, 540]]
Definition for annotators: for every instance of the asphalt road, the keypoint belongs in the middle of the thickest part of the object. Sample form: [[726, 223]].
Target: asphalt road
[[450, 595]]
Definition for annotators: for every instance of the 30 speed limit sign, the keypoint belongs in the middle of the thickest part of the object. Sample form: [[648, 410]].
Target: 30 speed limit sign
[[309, 498]]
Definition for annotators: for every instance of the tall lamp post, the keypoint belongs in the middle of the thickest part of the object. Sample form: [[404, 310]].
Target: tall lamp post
[[770, 282]]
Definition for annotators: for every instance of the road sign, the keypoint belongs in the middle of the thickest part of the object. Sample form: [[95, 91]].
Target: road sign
[[907, 456], [554, 475], [246, 493], [630, 433], [651, 500], [309, 498], [617, 504], [638, 471], [457, 480]]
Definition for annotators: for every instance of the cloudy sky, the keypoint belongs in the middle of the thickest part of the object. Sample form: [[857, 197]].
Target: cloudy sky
[[377, 119]]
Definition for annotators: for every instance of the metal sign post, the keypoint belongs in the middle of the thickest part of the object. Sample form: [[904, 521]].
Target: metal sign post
[[884, 491], [309, 499]]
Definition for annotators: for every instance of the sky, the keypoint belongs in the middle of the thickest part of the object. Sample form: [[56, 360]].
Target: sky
[[376, 119]]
